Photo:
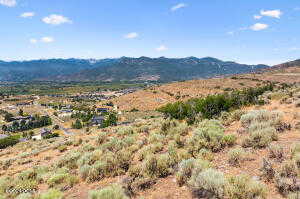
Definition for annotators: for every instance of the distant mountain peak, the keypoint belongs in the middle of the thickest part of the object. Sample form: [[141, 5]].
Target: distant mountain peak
[[121, 69]]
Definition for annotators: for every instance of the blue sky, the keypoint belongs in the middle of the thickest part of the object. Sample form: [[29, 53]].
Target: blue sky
[[256, 31]]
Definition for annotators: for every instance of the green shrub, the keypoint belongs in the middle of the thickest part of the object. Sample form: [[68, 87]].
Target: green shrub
[[188, 167], [229, 140], [294, 195], [165, 165], [257, 139], [261, 126], [25, 196], [209, 183], [101, 138], [62, 148], [296, 159], [25, 184], [95, 172], [69, 160], [295, 149], [111, 192], [141, 183], [288, 169], [236, 156], [144, 152], [259, 116], [27, 175], [297, 103], [205, 155], [236, 115], [52, 194], [182, 154], [84, 171], [208, 135], [150, 166], [127, 130], [60, 178], [213, 105], [5, 183], [243, 187], [155, 137]]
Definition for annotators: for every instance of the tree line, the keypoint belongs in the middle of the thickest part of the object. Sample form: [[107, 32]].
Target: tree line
[[213, 105]]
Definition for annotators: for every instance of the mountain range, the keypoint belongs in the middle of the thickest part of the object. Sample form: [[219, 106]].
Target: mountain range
[[160, 69]]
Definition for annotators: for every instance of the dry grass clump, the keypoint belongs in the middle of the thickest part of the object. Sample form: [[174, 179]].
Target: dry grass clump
[[297, 103], [286, 178], [276, 152]]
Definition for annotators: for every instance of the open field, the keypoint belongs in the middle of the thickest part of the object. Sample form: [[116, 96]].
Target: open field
[[140, 157]]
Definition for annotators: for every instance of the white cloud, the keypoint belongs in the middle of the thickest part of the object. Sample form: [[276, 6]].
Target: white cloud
[[55, 19], [9, 3], [33, 41], [271, 13], [161, 48], [131, 35], [27, 14], [47, 39], [259, 26], [178, 6], [257, 16], [293, 49]]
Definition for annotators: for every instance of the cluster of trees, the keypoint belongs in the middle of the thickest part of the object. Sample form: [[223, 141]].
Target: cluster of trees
[[8, 117], [111, 120], [84, 117], [77, 125], [9, 141], [213, 105], [23, 125]]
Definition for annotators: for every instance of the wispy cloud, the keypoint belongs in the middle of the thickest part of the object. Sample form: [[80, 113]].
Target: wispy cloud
[[55, 19], [178, 6], [9, 3], [131, 35], [33, 41], [293, 49], [259, 26], [271, 13], [27, 14], [47, 39], [161, 48], [257, 16]]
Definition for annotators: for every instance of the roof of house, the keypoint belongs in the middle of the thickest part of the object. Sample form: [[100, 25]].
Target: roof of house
[[45, 130], [98, 118]]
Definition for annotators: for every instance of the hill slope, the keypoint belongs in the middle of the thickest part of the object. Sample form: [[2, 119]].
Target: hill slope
[[125, 68]]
